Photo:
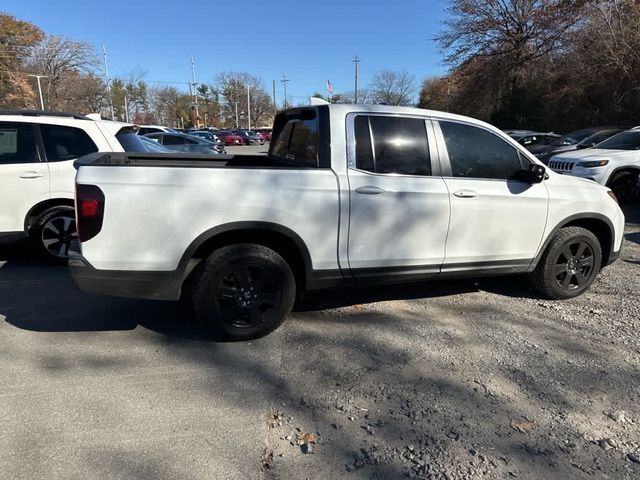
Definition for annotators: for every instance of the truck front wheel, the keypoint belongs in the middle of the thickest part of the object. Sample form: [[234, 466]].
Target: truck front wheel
[[243, 291], [569, 265]]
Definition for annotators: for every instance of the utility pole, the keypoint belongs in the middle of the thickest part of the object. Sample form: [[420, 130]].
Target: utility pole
[[356, 61], [275, 105], [237, 122], [248, 109], [126, 108], [285, 80], [38, 77], [106, 74], [195, 92]]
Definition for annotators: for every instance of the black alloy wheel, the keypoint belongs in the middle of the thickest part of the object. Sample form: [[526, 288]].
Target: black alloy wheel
[[246, 293], [242, 291], [574, 264], [569, 264]]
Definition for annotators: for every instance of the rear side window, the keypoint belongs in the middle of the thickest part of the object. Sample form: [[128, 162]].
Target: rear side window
[[392, 145], [17, 143], [298, 142], [65, 143], [478, 153], [172, 140]]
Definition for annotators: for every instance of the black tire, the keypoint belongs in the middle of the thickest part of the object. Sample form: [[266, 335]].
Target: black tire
[[625, 186], [53, 232], [569, 265], [242, 291]]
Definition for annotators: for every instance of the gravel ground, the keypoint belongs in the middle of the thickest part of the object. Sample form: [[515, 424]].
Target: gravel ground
[[477, 380], [456, 380]]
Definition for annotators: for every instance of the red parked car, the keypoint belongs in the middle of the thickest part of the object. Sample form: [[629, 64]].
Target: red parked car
[[229, 138], [265, 133]]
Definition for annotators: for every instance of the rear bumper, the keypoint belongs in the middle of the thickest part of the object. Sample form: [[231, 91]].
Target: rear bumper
[[123, 283]]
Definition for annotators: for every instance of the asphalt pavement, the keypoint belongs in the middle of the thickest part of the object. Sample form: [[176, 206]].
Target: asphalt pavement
[[425, 380]]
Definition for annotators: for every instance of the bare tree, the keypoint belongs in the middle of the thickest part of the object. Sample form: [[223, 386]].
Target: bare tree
[[233, 87], [81, 93], [57, 57], [517, 31], [392, 88]]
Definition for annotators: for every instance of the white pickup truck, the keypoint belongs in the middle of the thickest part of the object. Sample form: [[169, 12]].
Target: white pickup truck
[[348, 194]]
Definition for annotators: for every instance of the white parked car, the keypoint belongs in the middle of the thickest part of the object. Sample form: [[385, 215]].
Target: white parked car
[[145, 129], [614, 163], [348, 195], [37, 151]]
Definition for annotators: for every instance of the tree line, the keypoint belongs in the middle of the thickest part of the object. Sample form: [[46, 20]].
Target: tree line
[[73, 81], [553, 65]]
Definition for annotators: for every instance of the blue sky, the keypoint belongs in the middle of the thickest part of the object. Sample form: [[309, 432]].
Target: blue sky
[[308, 41]]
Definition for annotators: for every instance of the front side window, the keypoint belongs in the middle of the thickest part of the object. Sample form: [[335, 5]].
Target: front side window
[[478, 153], [17, 143], [386, 144], [65, 143]]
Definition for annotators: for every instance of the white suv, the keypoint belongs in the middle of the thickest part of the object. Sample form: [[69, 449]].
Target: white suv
[[37, 151], [614, 163]]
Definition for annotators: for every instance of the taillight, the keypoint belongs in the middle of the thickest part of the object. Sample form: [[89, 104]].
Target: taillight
[[89, 210]]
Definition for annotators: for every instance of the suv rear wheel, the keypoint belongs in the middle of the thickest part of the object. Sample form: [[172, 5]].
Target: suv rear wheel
[[243, 291], [569, 265], [53, 233]]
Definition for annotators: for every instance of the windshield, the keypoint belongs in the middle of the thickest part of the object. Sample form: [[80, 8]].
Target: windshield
[[623, 141], [572, 138], [133, 143]]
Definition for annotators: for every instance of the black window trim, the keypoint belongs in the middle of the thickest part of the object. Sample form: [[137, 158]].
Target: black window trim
[[434, 157], [447, 171]]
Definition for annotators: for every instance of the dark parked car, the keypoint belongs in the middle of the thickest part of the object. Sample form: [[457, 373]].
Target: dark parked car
[[254, 137], [134, 143], [181, 142], [585, 138], [535, 142]]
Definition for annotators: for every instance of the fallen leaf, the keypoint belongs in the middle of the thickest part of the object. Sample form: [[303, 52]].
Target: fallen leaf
[[303, 438], [523, 427]]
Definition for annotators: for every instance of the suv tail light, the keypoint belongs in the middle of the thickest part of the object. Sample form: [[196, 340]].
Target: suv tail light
[[89, 211]]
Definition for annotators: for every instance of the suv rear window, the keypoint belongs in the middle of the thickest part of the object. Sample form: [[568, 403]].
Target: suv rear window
[[65, 143], [17, 143]]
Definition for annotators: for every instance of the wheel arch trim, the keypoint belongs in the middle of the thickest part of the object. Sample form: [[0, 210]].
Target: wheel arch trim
[[44, 205], [249, 227], [606, 256]]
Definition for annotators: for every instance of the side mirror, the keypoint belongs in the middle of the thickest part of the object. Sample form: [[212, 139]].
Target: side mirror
[[536, 173]]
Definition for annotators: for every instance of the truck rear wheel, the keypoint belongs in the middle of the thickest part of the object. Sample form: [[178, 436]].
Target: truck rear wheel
[[243, 291], [569, 265]]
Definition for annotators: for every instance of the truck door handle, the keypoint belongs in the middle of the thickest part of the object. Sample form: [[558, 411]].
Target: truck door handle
[[465, 194], [30, 175], [370, 190]]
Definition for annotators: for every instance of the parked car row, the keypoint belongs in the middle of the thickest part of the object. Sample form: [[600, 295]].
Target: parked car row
[[230, 136], [607, 155]]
